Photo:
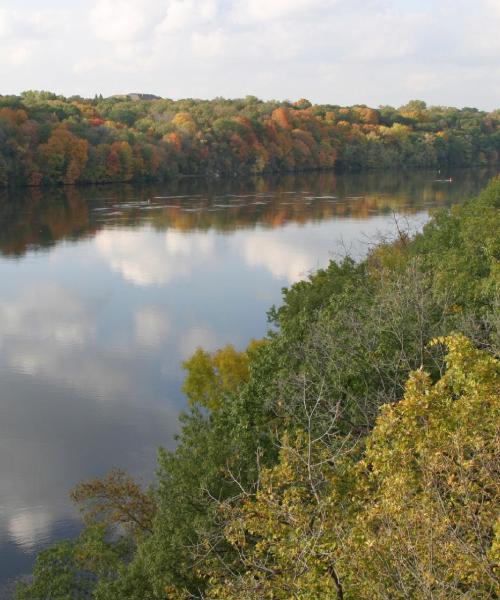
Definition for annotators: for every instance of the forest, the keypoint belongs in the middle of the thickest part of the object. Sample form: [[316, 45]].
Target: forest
[[47, 139], [353, 453]]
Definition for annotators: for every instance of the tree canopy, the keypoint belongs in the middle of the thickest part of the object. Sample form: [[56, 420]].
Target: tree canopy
[[50, 139]]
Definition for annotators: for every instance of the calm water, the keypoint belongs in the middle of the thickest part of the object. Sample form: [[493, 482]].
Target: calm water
[[104, 291]]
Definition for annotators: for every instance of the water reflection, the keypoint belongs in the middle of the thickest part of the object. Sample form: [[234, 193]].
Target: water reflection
[[35, 218], [105, 290], [144, 258], [151, 326], [291, 253]]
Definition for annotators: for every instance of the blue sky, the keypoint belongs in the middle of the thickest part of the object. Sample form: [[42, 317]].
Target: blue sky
[[340, 51]]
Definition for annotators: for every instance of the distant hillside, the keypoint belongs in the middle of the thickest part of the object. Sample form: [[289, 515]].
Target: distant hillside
[[49, 139], [136, 97]]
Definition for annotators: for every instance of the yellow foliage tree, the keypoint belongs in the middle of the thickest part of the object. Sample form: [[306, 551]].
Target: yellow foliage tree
[[185, 122], [285, 544], [416, 517], [429, 490], [211, 376], [64, 155]]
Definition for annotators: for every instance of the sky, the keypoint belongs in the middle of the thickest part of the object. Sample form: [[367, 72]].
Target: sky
[[374, 52]]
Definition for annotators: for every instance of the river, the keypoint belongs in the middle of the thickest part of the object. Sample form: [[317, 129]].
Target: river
[[104, 291]]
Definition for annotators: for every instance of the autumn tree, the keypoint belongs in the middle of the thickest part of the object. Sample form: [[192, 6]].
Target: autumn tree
[[64, 156], [220, 136], [116, 500], [415, 517], [212, 375], [427, 525], [286, 546]]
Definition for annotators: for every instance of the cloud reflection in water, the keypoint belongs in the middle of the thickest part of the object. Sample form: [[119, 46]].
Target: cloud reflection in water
[[93, 330]]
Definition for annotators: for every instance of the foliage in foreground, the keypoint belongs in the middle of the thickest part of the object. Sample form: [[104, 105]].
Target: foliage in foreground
[[413, 518], [348, 456]]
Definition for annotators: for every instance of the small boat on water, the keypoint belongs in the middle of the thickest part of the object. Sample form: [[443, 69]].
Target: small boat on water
[[449, 180]]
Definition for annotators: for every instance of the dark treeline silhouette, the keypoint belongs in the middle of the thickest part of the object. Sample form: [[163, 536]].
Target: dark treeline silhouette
[[47, 139]]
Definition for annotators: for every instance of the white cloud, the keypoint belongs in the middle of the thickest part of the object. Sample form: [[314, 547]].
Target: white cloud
[[340, 51], [494, 7], [282, 259], [135, 254], [184, 14], [386, 37], [290, 254], [19, 54], [152, 327], [265, 10], [44, 333], [196, 337], [25, 36], [49, 312], [123, 20], [145, 259], [189, 245], [208, 45], [17, 25], [179, 15], [4, 22], [421, 80]]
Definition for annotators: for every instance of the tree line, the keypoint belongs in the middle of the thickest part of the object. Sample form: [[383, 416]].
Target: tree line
[[47, 139], [352, 453]]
